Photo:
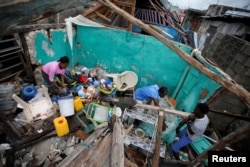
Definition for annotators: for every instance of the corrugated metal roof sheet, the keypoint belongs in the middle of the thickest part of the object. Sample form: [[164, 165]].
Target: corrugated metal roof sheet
[[237, 13]]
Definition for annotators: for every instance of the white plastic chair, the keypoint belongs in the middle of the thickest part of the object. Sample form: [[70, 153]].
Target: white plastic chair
[[125, 80], [41, 108]]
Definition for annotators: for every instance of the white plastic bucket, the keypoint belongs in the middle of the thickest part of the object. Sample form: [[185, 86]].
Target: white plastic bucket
[[66, 105]]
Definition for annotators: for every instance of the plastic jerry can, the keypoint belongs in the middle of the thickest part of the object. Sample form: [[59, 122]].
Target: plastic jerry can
[[61, 126], [78, 104]]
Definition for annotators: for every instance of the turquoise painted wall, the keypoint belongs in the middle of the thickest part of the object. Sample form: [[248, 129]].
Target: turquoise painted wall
[[116, 51], [51, 49]]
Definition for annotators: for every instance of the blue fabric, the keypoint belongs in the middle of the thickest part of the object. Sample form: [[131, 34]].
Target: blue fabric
[[183, 141], [147, 92]]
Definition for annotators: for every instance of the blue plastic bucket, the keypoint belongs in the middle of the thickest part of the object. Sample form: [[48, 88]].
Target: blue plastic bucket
[[28, 92], [66, 105]]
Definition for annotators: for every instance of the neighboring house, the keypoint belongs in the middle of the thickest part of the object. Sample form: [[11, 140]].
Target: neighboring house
[[226, 35]]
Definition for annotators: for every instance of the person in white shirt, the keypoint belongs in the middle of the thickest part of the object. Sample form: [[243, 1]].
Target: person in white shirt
[[196, 125]]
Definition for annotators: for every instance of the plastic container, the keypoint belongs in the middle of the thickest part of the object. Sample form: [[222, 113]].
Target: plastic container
[[66, 105], [78, 104], [28, 92], [61, 126]]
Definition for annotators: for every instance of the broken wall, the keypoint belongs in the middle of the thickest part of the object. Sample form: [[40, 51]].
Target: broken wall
[[232, 55], [45, 46], [116, 51]]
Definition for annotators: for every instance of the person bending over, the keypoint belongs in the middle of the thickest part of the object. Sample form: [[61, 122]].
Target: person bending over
[[53, 69], [150, 93]]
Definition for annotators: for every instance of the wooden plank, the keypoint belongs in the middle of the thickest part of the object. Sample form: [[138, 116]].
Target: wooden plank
[[232, 86], [10, 49], [79, 149], [117, 17], [102, 16], [101, 153], [128, 163], [156, 157], [117, 152], [17, 51], [121, 3], [236, 116], [85, 155], [132, 13], [166, 110], [33, 27], [91, 10], [11, 75]]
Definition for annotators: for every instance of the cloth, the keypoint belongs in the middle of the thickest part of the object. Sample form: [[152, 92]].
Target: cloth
[[52, 69], [52, 88], [147, 92], [183, 141], [198, 127]]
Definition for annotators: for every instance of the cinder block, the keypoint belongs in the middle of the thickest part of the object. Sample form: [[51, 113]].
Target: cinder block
[[220, 36], [247, 73], [238, 68], [241, 58], [230, 72], [239, 79], [247, 50], [247, 63]]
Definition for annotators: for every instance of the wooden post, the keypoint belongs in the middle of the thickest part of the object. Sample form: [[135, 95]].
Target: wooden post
[[117, 151], [156, 157], [27, 65], [231, 138], [232, 86]]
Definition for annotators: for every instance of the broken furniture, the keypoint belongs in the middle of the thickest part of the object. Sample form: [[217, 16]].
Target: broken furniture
[[125, 80], [145, 143], [99, 115], [38, 108]]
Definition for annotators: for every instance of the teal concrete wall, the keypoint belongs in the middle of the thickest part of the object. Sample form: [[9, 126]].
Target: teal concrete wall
[[51, 49], [116, 51]]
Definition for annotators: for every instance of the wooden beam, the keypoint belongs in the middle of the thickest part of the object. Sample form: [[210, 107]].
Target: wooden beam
[[157, 151], [117, 150], [102, 16], [239, 134], [78, 151], [125, 4], [169, 111], [33, 27], [100, 153], [232, 86], [91, 10], [236, 116], [128, 163]]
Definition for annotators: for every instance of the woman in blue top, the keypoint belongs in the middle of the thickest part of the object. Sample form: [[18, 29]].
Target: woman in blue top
[[150, 93]]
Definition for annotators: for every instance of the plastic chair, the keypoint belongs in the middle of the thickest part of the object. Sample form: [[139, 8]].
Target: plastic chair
[[98, 113], [125, 80], [37, 109]]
